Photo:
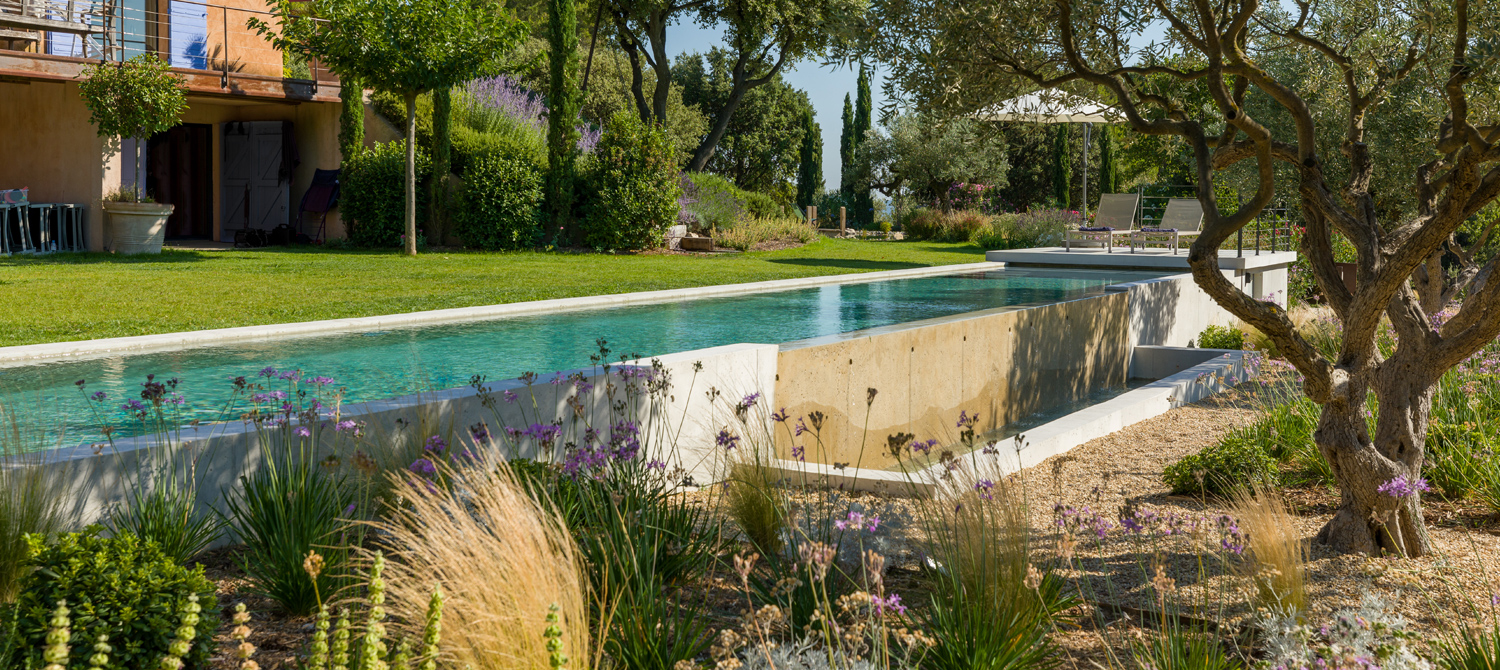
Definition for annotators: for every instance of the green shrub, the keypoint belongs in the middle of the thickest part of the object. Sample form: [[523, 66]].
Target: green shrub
[[119, 586], [372, 194], [632, 186], [760, 205], [499, 206], [1235, 461], [933, 225], [1221, 337], [470, 146], [711, 201]]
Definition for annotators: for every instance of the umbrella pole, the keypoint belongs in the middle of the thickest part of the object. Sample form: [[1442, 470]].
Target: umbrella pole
[[1085, 205]]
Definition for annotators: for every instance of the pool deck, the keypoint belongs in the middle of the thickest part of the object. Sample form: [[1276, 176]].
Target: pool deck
[[1153, 259]]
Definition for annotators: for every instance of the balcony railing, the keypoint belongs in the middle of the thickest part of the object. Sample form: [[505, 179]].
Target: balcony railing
[[187, 34]]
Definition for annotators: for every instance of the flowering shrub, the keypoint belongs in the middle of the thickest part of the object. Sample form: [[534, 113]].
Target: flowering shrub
[[984, 198], [1027, 230], [938, 226]]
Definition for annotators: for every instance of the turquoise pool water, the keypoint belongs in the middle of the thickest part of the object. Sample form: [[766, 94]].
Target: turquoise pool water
[[384, 364]]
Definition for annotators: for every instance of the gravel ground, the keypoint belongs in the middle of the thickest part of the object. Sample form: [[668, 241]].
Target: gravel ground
[[1433, 593]]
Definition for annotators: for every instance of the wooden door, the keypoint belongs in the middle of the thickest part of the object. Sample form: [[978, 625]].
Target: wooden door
[[254, 193]]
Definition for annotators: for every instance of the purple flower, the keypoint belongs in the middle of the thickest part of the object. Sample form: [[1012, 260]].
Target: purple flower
[[510, 397], [322, 381], [278, 395], [798, 451], [1495, 600], [480, 431], [889, 603], [435, 444], [423, 467], [1401, 487], [349, 511], [346, 426], [655, 464], [858, 521], [727, 440], [99, 396], [924, 447], [800, 428], [268, 371], [780, 417], [290, 375], [983, 486], [133, 406], [750, 400], [302, 431], [544, 433]]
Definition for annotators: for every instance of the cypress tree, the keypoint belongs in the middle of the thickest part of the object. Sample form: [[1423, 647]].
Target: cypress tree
[[810, 164], [1062, 168], [1109, 172], [864, 205], [442, 145], [564, 102], [846, 149], [351, 118]]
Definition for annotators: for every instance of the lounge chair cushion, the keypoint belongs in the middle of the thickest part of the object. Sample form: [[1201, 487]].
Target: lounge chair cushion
[[1100, 229], [1158, 230]]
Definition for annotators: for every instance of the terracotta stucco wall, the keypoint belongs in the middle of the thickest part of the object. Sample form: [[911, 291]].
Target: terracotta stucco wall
[[51, 148], [1002, 365]]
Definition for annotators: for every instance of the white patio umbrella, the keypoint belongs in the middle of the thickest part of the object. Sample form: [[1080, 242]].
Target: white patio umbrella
[[1054, 107]]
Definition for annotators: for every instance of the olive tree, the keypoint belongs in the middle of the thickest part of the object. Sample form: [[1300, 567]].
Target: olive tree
[[1207, 84], [407, 47]]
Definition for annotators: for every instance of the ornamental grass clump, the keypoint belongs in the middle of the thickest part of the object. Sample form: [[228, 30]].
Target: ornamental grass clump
[[501, 558], [1277, 553]]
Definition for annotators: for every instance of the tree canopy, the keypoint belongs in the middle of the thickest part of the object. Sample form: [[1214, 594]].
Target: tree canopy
[[1379, 119]]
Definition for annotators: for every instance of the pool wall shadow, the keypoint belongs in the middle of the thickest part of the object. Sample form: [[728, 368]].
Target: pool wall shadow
[[1001, 364]]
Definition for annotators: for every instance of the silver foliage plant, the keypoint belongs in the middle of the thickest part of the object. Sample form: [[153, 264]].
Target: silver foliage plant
[[1368, 634]]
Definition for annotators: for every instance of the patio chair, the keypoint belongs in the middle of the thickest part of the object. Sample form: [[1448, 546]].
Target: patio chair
[[320, 197], [1182, 221], [1114, 218]]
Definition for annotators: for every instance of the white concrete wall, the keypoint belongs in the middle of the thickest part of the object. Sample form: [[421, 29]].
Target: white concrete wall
[[1170, 311], [680, 430]]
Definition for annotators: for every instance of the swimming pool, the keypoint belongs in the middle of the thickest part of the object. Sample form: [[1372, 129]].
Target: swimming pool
[[394, 362]]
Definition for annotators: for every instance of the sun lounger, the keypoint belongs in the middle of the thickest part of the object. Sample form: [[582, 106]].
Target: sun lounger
[[1114, 219], [1182, 222]]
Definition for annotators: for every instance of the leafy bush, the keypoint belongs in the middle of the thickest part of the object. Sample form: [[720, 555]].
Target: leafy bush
[[937, 226], [120, 586], [633, 186], [761, 206], [499, 205], [31, 498], [1221, 337], [372, 194], [1235, 461], [471, 146], [711, 201]]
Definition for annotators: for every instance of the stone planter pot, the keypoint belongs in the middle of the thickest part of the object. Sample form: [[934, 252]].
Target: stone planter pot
[[135, 227]]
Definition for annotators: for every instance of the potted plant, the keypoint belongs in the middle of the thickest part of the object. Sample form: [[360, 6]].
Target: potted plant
[[136, 99]]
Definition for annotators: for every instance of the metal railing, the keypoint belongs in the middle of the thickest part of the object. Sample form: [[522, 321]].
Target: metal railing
[[187, 34], [1272, 230]]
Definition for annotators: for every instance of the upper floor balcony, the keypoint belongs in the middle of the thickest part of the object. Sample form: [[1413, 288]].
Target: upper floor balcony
[[207, 43]]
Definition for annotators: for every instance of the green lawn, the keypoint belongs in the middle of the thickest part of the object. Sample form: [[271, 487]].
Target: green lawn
[[83, 296]]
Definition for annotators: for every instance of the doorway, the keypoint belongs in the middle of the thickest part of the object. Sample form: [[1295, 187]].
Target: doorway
[[179, 172]]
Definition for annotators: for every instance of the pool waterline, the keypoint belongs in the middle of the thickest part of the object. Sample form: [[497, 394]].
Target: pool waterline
[[396, 361]]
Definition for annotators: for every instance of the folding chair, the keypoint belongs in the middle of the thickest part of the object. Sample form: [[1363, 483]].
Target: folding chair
[[320, 197]]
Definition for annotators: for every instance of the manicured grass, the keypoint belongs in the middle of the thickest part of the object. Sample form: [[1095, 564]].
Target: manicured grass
[[84, 296]]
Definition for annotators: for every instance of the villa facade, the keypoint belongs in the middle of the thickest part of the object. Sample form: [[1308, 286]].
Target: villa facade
[[256, 127]]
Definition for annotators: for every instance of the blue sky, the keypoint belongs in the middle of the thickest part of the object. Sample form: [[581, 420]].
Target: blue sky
[[825, 86]]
